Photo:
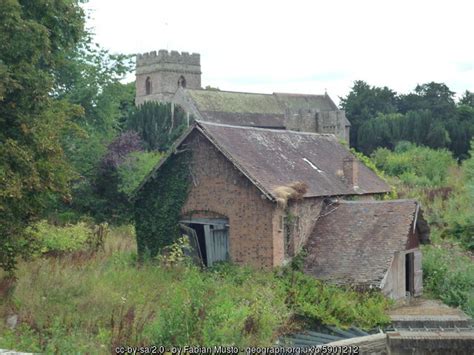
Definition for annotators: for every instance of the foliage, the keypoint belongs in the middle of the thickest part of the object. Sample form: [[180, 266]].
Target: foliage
[[85, 303], [158, 205], [415, 165], [48, 238], [365, 102], [34, 36], [117, 151], [105, 301], [447, 196], [327, 304], [428, 116], [449, 276], [135, 168], [159, 124]]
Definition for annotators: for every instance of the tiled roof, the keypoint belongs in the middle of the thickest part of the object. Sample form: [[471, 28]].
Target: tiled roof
[[354, 242], [237, 102], [252, 109], [295, 102], [274, 158]]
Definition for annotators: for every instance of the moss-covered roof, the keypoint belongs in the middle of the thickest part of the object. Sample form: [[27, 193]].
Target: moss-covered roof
[[295, 102], [237, 102]]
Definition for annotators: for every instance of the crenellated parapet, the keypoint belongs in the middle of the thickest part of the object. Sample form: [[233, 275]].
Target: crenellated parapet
[[172, 57]]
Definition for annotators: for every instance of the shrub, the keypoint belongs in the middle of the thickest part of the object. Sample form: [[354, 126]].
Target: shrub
[[55, 239], [328, 304], [449, 276], [415, 165], [133, 170]]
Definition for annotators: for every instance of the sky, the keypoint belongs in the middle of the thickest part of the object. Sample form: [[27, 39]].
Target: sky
[[300, 46]]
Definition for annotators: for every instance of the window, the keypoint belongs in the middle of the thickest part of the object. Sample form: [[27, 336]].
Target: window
[[181, 82], [148, 87]]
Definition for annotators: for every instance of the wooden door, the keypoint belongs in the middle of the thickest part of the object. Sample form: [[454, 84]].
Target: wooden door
[[217, 242]]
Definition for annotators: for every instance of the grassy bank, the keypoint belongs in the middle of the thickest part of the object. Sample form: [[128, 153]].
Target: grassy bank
[[87, 302]]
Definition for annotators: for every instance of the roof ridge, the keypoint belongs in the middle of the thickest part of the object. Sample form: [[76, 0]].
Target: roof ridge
[[265, 129], [299, 94], [233, 92]]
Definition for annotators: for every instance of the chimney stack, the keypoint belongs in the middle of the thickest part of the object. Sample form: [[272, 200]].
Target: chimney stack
[[350, 168]]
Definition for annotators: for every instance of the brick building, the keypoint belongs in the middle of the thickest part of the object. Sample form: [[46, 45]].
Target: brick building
[[258, 196]]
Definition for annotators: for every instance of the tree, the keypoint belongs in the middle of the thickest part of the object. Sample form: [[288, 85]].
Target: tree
[[467, 99], [34, 37], [364, 103], [158, 124]]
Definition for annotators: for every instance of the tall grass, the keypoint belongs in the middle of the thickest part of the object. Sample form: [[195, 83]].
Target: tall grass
[[91, 303]]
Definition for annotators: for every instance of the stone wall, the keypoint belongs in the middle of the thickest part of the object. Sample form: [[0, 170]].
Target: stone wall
[[219, 188], [164, 70], [334, 122], [302, 121]]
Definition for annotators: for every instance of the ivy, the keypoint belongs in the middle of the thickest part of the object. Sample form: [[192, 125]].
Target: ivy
[[159, 203]]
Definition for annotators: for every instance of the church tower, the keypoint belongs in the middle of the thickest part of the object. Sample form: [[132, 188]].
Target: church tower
[[158, 76]]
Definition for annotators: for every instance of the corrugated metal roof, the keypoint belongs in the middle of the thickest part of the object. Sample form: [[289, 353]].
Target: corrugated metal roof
[[324, 335]]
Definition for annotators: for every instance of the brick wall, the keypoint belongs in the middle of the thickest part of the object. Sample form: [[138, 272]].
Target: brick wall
[[219, 189]]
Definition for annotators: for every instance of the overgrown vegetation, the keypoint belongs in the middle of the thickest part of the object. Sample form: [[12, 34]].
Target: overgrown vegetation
[[88, 303], [446, 191], [158, 205]]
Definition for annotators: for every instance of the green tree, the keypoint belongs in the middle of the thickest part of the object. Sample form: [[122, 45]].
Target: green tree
[[435, 97], [467, 99], [34, 37], [365, 102], [159, 124]]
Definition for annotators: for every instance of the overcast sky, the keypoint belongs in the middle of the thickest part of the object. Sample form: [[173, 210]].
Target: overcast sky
[[301, 46]]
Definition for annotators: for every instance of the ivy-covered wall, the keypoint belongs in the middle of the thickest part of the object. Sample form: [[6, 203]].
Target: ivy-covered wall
[[158, 205]]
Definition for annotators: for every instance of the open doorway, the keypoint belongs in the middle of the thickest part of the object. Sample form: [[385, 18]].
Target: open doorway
[[199, 228], [409, 274], [212, 238]]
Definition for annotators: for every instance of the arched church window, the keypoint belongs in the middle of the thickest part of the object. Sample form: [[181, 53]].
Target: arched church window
[[148, 87], [181, 82]]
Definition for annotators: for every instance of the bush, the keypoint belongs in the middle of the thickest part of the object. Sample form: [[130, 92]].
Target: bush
[[328, 304], [135, 168], [48, 238], [415, 166], [449, 276]]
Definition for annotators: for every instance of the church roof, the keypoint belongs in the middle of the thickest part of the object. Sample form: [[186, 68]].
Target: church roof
[[354, 242], [230, 101], [272, 158], [296, 102], [238, 108], [258, 110]]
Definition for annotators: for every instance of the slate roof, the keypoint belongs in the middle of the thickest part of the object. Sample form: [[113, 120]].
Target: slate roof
[[296, 102], [273, 158], [230, 101], [354, 242], [253, 109]]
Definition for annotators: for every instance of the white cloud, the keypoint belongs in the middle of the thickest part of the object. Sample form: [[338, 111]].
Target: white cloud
[[301, 46]]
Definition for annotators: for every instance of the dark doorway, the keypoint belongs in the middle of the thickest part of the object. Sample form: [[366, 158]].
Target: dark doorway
[[199, 228], [212, 238], [409, 273]]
